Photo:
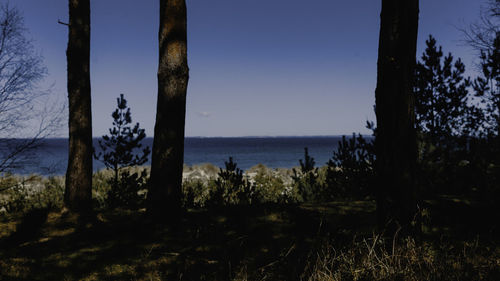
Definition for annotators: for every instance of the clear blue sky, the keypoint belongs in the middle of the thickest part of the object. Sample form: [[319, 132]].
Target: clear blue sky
[[257, 67]]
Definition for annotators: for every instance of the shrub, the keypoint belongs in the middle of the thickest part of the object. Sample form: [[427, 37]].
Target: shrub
[[20, 195], [306, 180], [195, 193], [130, 191], [269, 187], [231, 188], [350, 171]]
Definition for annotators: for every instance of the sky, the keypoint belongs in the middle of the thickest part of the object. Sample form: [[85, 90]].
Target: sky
[[257, 68]]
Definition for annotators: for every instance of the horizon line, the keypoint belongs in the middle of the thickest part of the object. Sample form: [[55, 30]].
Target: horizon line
[[248, 136]]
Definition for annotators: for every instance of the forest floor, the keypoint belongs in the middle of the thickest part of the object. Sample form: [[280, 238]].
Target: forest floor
[[270, 242]]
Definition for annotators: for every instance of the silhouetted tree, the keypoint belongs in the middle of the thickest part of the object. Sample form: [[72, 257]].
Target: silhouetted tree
[[231, 187], [168, 146], [487, 86], [446, 119], [306, 180], [481, 34], [23, 122], [395, 143], [442, 107], [350, 170], [78, 193], [119, 147]]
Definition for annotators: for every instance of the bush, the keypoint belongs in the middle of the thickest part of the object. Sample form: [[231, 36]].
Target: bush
[[350, 172], [269, 187], [129, 192], [195, 193], [306, 180], [20, 195], [231, 188]]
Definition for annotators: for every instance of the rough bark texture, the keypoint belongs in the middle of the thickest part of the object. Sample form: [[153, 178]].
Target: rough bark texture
[[395, 137], [164, 196], [78, 192]]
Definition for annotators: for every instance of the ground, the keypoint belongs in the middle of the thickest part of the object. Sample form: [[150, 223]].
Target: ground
[[268, 242]]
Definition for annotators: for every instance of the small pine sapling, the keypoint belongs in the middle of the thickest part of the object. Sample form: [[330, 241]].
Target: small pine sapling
[[306, 179], [350, 170], [231, 187], [119, 150]]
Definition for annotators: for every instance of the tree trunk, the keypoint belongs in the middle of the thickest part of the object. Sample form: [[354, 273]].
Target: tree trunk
[[168, 146], [396, 149], [78, 192]]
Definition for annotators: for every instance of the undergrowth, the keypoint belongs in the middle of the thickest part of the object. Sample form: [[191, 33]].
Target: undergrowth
[[378, 258]]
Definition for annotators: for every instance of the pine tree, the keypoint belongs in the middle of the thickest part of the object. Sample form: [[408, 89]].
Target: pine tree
[[165, 188], [442, 108], [395, 143], [487, 86], [306, 180], [119, 150], [78, 193], [350, 170]]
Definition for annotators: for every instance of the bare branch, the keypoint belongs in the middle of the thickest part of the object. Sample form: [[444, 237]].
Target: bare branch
[[27, 114], [63, 23], [481, 34]]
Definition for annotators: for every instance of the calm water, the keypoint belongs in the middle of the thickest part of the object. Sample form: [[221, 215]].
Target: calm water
[[275, 152]]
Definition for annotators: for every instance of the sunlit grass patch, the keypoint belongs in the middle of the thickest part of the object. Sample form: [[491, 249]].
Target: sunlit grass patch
[[379, 258]]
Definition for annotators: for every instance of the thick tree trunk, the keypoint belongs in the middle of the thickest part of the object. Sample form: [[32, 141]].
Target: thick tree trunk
[[395, 137], [78, 192], [168, 146]]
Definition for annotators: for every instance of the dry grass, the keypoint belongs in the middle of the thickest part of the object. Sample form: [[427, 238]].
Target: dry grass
[[314, 242], [405, 259]]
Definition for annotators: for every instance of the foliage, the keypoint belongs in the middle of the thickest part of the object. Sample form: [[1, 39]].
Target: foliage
[[195, 193], [258, 185], [306, 180], [231, 188], [441, 103], [20, 195], [130, 191], [485, 153], [456, 135], [119, 150], [350, 171], [271, 188], [487, 86]]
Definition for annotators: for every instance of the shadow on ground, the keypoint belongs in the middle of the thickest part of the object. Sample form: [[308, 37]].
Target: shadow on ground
[[268, 242]]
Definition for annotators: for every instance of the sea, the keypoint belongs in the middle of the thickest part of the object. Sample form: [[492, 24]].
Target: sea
[[51, 157]]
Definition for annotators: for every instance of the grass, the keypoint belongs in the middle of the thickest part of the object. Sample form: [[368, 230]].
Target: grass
[[327, 241], [330, 241]]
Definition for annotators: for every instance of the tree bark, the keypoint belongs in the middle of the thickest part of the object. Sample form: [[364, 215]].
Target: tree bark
[[168, 146], [396, 149], [78, 193]]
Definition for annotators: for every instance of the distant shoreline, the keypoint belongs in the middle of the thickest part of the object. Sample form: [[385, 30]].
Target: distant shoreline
[[50, 158], [222, 137]]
